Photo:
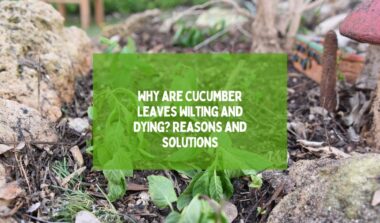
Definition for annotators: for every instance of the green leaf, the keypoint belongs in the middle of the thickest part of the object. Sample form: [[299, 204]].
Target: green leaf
[[216, 189], [192, 213], [234, 173], [111, 45], [188, 173], [228, 188], [105, 41], [90, 112], [116, 183], [115, 191], [130, 47], [185, 198], [89, 150], [201, 185], [249, 172], [161, 190], [173, 217], [256, 181]]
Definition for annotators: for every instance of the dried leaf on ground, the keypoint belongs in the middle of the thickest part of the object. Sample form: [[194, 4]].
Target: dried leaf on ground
[[8, 220], [86, 217], [299, 128], [20, 146], [77, 172], [136, 187], [34, 207], [376, 198], [77, 155], [306, 143], [10, 191], [4, 148], [327, 151]]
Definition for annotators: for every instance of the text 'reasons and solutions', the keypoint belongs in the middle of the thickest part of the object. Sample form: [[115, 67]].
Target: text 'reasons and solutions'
[[231, 112]]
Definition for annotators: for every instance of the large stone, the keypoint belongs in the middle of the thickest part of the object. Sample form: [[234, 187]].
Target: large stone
[[39, 57], [21, 123], [331, 191]]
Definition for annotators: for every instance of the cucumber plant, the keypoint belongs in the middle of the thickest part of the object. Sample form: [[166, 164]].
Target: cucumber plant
[[200, 208]]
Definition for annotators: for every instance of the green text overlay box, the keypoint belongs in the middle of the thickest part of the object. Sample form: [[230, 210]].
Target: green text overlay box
[[226, 110]]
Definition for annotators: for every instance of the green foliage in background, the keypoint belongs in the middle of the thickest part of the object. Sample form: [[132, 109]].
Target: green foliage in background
[[113, 46], [133, 6], [189, 36]]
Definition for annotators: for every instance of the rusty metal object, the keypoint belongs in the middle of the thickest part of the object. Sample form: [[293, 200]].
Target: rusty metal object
[[329, 74]]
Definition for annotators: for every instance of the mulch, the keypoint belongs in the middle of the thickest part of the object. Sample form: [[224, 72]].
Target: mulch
[[36, 162]]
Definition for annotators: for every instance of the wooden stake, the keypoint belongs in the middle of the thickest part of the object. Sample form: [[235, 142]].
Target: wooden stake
[[328, 83], [85, 14], [99, 12]]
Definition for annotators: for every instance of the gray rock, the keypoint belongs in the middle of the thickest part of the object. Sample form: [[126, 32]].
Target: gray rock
[[79, 124], [39, 57], [329, 190], [22, 123]]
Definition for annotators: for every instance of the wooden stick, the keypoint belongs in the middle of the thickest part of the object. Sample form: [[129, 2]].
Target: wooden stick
[[328, 83], [99, 12], [85, 14]]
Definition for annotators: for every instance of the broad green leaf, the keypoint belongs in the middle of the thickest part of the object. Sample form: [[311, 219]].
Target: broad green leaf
[[161, 190], [201, 185], [234, 173], [216, 189], [173, 217], [192, 213], [184, 199]]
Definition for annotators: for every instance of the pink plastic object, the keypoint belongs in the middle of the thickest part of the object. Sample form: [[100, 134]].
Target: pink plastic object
[[363, 24]]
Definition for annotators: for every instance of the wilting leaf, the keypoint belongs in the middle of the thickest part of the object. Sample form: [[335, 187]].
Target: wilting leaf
[[161, 190]]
